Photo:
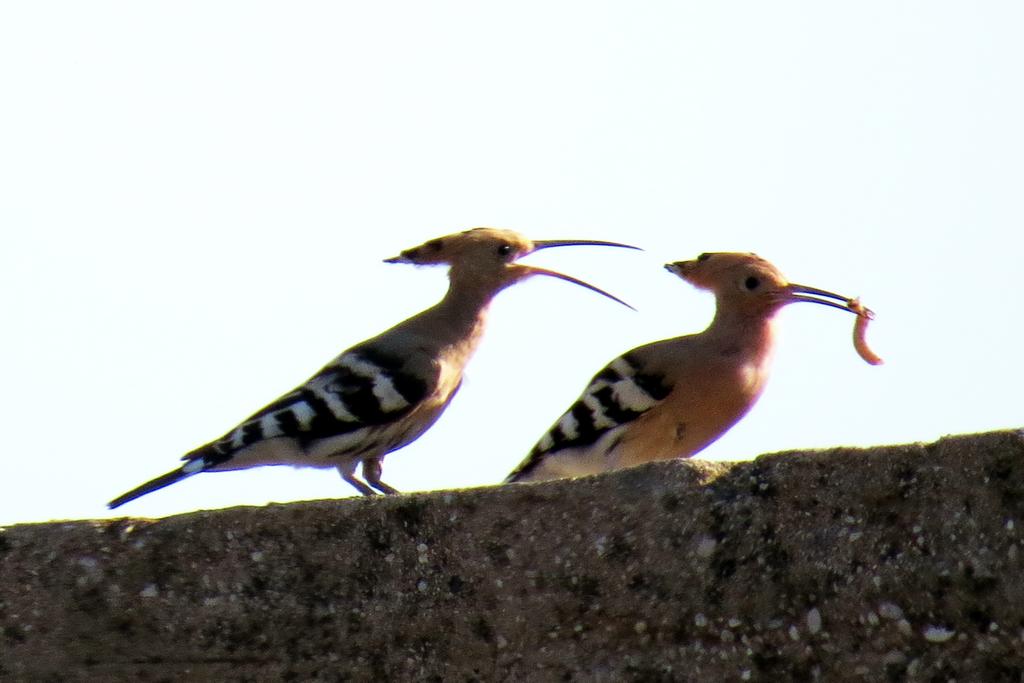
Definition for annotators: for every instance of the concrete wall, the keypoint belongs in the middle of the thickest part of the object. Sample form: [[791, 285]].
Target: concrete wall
[[895, 563]]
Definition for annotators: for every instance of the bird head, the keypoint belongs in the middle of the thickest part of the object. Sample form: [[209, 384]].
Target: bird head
[[751, 284], [487, 257]]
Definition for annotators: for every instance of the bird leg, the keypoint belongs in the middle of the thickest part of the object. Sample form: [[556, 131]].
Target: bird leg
[[347, 470], [371, 472]]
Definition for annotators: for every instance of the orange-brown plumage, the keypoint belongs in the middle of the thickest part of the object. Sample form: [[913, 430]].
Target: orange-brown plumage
[[673, 398]]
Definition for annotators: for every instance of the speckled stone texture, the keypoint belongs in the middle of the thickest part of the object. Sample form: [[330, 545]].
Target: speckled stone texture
[[887, 564]]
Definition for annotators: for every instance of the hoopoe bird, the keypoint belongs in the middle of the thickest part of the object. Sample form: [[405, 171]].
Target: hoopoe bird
[[673, 398], [385, 392]]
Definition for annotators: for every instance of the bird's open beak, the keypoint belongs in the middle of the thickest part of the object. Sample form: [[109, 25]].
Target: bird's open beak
[[547, 244], [795, 292], [526, 271]]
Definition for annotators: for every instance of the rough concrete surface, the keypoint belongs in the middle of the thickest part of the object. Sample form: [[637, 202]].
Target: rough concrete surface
[[884, 564]]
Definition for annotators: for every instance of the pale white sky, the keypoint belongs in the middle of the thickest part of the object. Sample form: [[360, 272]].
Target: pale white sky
[[195, 199]]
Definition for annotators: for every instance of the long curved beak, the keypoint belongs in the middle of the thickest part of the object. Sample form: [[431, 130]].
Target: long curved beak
[[546, 244], [534, 270], [795, 292]]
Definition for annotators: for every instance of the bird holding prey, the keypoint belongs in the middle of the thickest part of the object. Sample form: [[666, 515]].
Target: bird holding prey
[[673, 398]]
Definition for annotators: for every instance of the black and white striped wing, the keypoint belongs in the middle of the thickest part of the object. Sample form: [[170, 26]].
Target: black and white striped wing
[[617, 395], [359, 390]]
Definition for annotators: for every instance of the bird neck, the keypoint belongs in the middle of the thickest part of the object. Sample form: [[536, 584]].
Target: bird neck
[[458, 319], [470, 294], [741, 333]]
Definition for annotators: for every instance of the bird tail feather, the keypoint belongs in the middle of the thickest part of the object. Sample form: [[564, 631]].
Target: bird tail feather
[[153, 485]]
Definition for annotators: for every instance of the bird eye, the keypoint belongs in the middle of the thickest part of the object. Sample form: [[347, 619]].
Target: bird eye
[[504, 249], [434, 245], [751, 283], [703, 257]]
